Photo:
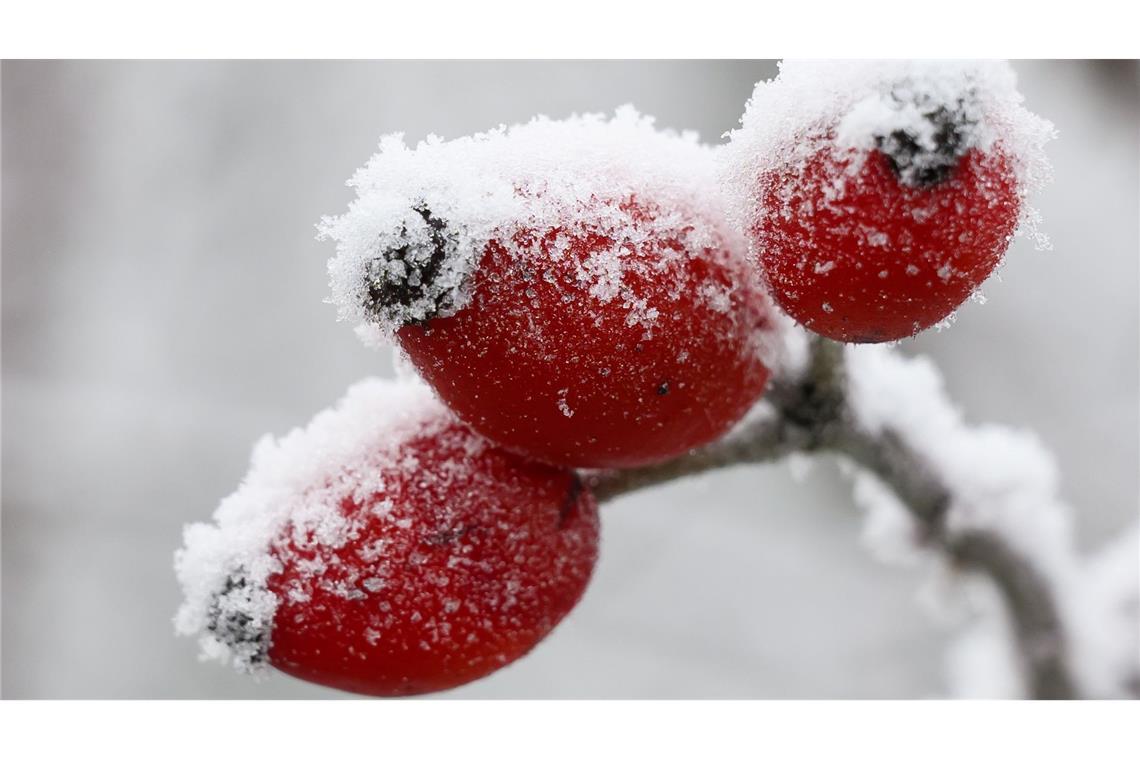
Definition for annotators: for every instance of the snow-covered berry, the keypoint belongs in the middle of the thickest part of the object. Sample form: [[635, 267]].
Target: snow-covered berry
[[877, 259], [388, 550], [879, 196], [544, 366], [572, 290]]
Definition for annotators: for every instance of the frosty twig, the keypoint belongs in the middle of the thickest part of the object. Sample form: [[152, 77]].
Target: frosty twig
[[812, 413]]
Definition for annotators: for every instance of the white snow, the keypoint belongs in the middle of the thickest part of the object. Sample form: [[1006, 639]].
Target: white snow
[[577, 177], [982, 661], [1002, 481], [1103, 610], [889, 531]]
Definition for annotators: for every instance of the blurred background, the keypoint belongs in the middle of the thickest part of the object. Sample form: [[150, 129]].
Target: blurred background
[[163, 307]]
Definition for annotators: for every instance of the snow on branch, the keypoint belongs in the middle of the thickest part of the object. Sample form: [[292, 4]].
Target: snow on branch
[[981, 501]]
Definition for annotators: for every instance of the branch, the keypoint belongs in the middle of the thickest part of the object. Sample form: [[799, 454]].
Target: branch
[[1028, 598], [763, 439], [812, 414]]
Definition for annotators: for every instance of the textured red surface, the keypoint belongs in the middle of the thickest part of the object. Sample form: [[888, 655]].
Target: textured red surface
[[864, 258], [459, 562], [542, 366]]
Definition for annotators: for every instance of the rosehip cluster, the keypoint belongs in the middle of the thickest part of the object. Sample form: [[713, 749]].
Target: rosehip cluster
[[577, 295]]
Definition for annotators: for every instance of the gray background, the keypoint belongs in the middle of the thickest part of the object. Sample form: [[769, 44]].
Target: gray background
[[162, 308]]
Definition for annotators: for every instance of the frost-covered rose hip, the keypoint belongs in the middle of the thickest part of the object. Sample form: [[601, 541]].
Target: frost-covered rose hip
[[572, 290], [879, 196], [388, 550], [854, 251], [452, 568], [650, 353]]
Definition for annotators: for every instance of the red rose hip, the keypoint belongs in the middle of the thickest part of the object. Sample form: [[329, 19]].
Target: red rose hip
[[855, 252], [651, 353], [414, 557], [572, 290], [879, 195]]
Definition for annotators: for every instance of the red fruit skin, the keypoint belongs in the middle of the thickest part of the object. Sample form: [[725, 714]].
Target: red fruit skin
[[542, 367], [881, 260], [465, 561]]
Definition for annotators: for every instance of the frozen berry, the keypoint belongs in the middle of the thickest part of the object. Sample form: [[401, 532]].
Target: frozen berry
[[572, 290], [390, 552], [879, 195], [595, 346], [854, 250]]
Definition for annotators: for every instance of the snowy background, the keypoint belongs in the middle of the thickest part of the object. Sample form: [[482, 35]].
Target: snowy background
[[163, 307]]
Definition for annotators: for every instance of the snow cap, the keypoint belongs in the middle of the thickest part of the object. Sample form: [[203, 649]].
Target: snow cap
[[423, 216]]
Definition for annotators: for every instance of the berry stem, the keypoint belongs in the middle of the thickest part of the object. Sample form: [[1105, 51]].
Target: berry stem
[[811, 414]]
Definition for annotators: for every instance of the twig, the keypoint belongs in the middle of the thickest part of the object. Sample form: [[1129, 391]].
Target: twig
[[765, 439], [811, 414]]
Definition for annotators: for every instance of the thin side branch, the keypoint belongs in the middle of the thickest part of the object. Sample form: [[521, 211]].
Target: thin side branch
[[812, 415], [765, 439]]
